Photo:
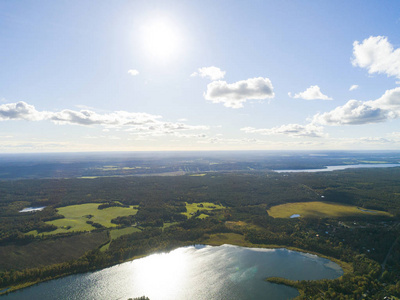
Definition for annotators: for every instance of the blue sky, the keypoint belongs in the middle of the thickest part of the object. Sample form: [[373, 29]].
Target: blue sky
[[199, 75]]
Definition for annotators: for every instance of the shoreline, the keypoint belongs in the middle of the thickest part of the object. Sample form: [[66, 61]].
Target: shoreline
[[215, 240]]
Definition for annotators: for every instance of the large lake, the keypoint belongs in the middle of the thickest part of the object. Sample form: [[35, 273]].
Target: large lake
[[342, 167], [195, 272]]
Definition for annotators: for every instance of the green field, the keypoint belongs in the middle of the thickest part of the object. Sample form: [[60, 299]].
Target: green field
[[320, 210], [192, 208], [116, 233], [76, 217]]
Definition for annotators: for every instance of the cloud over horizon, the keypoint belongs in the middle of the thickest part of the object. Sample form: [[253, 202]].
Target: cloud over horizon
[[294, 130], [234, 95], [312, 93], [139, 122], [356, 112]]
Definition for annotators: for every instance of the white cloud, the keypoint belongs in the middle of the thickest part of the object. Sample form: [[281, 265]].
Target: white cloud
[[134, 122], [212, 73], [353, 87], [294, 130], [376, 140], [87, 117], [235, 94], [20, 111], [352, 113], [356, 112], [227, 141], [133, 72], [312, 93], [377, 55]]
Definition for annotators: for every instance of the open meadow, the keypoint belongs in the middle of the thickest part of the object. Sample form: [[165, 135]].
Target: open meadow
[[192, 208], [77, 216], [317, 209]]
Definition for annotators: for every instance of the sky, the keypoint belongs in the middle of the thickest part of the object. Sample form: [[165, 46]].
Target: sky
[[80, 76]]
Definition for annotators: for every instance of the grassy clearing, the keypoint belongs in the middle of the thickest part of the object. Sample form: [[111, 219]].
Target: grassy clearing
[[192, 208], [77, 215], [116, 233], [321, 210], [169, 224], [203, 216]]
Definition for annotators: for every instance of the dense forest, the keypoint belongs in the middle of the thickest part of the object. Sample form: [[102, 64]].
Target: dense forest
[[368, 244]]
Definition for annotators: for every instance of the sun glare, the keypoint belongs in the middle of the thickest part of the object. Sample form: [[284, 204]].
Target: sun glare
[[161, 40]]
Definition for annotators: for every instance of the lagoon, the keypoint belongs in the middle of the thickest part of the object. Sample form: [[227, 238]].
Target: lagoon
[[341, 167], [194, 272]]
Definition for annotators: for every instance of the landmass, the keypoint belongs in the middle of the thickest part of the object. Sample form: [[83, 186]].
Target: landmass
[[89, 224]]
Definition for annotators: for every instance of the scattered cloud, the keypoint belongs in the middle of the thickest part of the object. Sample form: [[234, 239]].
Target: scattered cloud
[[227, 141], [356, 112], [312, 93], [235, 94], [133, 72], [376, 140], [20, 111], [87, 117], [134, 122], [377, 55], [353, 87], [212, 73], [294, 130]]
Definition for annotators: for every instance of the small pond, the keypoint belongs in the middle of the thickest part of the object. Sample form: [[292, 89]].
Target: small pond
[[31, 209]]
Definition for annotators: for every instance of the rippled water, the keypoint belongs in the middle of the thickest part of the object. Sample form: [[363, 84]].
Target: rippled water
[[196, 272]]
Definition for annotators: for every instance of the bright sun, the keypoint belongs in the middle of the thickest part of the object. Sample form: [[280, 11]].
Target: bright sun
[[161, 40]]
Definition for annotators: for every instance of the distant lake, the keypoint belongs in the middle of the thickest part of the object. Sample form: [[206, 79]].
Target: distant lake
[[195, 272], [335, 168]]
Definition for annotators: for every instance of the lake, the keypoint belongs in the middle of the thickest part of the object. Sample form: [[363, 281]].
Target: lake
[[194, 272], [342, 167]]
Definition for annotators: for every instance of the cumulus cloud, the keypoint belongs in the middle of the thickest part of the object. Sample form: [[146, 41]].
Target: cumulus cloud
[[312, 93], [235, 94], [377, 55], [133, 72], [212, 73], [294, 130], [353, 87], [356, 112], [20, 111], [135, 122]]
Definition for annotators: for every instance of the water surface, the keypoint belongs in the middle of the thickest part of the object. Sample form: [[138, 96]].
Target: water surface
[[31, 209], [342, 167], [196, 272]]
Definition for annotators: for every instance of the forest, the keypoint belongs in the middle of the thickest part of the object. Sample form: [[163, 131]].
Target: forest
[[367, 246]]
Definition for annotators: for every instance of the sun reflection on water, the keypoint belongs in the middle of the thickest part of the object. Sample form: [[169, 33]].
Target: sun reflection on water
[[162, 274]]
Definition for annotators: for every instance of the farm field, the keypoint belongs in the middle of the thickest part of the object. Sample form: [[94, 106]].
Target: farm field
[[319, 209], [76, 217], [192, 208]]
